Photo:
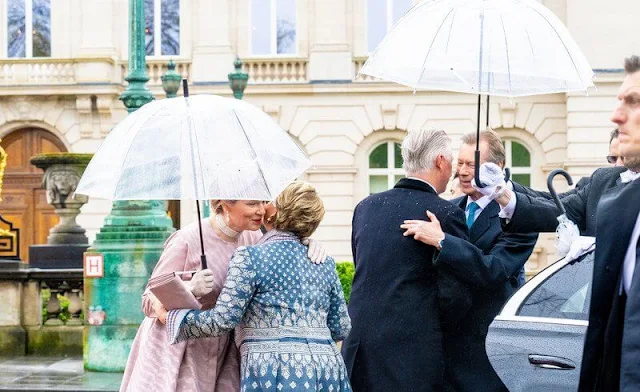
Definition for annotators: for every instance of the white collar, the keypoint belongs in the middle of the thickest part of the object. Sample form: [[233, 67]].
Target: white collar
[[628, 176], [426, 182], [482, 202]]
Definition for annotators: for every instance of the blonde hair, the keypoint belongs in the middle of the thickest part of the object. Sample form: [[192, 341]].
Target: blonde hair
[[216, 205], [299, 209]]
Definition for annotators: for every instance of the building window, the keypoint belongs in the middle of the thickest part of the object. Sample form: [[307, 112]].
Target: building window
[[385, 167], [381, 16], [273, 27], [162, 27], [519, 161], [28, 28]]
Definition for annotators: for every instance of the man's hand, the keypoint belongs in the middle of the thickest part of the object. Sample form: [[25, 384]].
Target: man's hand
[[161, 312], [492, 177], [317, 253], [428, 232], [202, 283]]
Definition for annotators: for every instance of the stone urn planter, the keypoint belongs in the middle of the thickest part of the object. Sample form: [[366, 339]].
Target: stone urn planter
[[62, 172]]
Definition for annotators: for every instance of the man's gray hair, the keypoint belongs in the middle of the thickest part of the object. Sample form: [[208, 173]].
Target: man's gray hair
[[632, 64], [421, 147]]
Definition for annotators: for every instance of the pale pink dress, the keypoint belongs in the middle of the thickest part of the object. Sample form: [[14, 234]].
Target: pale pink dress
[[201, 365]]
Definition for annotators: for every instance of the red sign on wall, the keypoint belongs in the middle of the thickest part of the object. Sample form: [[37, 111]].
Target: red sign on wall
[[93, 265]]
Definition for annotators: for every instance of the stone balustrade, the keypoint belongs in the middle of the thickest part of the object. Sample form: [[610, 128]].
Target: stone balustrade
[[41, 312], [41, 71], [358, 63], [271, 70], [156, 67]]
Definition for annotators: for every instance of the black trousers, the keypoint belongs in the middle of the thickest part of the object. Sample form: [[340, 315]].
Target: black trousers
[[609, 370]]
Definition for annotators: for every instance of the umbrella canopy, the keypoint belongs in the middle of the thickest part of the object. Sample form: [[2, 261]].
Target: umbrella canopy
[[202, 147], [494, 47]]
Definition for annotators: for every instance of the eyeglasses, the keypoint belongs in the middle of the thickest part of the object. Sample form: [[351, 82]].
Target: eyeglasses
[[612, 159]]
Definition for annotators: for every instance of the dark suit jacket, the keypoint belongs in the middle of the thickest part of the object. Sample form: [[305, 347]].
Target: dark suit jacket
[[582, 183], [490, 264], [536, 213], [395, 342], [601, 364]]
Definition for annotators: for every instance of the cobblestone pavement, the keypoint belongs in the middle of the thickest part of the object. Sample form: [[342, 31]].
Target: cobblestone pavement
[[53, 374]]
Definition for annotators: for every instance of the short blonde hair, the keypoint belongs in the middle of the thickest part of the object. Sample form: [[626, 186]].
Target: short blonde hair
[[216, 205], [300, 209]]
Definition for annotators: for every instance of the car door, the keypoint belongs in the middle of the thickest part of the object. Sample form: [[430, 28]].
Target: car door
[[535, 343]]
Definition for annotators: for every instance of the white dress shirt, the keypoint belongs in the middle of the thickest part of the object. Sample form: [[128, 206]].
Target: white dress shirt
[[482, 203], [629, 265]]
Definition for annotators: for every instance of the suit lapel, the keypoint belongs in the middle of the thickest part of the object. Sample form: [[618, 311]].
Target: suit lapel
[[616, 217], [483, 222]]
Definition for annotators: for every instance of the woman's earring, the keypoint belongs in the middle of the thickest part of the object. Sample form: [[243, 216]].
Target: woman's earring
[[227, 217]]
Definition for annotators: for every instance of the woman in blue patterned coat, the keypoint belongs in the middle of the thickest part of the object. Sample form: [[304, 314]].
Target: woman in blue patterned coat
[[289, 311]]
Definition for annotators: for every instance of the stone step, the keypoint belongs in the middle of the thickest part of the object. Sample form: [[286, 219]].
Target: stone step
[[31, 373]]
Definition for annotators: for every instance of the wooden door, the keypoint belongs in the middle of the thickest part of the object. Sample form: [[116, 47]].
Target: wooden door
[[24, 201]]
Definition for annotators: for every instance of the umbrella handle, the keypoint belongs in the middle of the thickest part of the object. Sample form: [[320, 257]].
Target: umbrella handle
[[185, 88], [479, 183], [552, 190]]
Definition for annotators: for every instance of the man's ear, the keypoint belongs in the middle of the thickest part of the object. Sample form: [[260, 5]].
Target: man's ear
[[440, 162], [501, 164]]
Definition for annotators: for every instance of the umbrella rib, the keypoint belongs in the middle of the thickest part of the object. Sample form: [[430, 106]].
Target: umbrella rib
[[115, 191], [193, 157], [506, 46], [253, 151], [426, 57], [450, 28], [563, 44]]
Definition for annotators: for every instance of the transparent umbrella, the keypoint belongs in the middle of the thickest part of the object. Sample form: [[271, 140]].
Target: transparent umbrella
[[202, 147], [487, 47]]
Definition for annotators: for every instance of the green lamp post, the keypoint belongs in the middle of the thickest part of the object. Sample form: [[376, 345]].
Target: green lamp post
[[171, 80], [238, 79], [130, 243]]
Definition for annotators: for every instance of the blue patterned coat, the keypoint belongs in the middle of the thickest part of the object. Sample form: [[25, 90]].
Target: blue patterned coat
[[289, 313]]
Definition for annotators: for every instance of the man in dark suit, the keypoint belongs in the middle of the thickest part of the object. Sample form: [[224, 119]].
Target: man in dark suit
[[489, 262], [399, 298], [612, 343], [614, 159]]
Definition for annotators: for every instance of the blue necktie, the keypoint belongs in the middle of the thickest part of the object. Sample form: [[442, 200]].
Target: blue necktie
[[472, 208]]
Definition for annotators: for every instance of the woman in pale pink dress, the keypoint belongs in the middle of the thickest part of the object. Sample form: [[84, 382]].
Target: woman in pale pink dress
[[203, 365]]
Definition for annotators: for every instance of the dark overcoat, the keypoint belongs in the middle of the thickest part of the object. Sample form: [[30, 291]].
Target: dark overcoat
[[399, 300], [489, 263]]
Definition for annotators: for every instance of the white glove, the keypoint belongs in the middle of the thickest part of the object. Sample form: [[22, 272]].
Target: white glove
[[580, 246], [568, 233], [491, 175], [317, 253], [201, 283]]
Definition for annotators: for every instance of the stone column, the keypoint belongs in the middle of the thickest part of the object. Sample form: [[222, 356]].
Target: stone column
[[330, 58], [213, 54]]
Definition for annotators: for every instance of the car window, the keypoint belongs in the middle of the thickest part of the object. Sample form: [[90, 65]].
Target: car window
[[565, 294]]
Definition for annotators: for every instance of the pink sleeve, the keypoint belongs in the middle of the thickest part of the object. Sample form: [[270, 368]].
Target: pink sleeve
[[173, 258]]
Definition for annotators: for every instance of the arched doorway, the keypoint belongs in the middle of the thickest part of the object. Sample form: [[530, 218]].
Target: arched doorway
[[24, 202]]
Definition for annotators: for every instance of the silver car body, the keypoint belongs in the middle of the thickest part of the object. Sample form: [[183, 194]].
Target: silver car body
[[535, 343]]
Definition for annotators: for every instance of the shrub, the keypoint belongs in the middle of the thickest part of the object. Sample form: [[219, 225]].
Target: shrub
[[346, 269]]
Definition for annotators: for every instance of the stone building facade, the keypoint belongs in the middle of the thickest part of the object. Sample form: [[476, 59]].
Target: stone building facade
[[303, 58]]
